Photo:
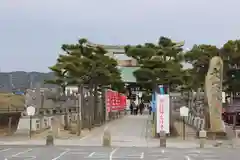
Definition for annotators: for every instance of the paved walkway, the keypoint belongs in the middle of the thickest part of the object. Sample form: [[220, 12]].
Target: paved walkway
[[129, 130]]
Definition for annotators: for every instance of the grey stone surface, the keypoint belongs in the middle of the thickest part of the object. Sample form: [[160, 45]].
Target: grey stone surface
[[213, 91], [124, 153], [129, 130], [45, 99]]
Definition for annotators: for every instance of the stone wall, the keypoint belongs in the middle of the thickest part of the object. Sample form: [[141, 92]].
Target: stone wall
[[50, 104]]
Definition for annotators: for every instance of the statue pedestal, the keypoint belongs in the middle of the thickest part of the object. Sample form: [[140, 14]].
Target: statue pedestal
[[216, 135]]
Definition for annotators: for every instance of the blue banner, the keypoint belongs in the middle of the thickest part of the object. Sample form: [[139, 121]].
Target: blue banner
[[161, 89], [153, 103]]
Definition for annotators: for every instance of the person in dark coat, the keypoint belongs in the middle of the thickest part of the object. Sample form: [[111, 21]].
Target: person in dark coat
[[141, 108], [150, 109], [135, 108], [131, 108]]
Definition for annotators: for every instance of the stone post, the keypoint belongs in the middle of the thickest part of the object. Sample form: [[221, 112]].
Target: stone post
[[9, 125], [162, 139], [49, 140], [79, 113], [106, 139], [55, 127], [202, 136]]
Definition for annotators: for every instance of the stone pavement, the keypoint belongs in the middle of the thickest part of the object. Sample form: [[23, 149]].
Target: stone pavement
[[128, 131], [115, 153]]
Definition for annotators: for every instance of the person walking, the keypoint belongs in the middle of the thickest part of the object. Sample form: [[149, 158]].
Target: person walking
[[150, 109], [131, 108], [141, 108], [135, 108]]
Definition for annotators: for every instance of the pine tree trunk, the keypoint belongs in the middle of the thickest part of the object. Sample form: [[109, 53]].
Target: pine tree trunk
[[95, 108], [66, 124], [91, 105]]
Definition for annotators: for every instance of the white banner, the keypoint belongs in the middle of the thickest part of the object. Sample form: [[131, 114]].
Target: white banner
[[163, 114]]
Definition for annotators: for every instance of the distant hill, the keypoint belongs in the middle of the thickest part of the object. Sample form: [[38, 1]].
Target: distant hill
[[10, 81]]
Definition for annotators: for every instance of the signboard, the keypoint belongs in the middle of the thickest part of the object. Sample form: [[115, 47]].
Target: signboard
[[31, 111], [133, 90], [115, 101], [163, 114], [162, 90], [184, 111], [223, 97]]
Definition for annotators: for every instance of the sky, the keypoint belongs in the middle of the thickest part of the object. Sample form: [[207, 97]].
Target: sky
[[32, 31]]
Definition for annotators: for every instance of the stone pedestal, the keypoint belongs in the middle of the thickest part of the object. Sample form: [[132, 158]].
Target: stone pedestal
[[163, 139], [216, 135], [50, 140], [106, 140], [55, 127], [202, 137]]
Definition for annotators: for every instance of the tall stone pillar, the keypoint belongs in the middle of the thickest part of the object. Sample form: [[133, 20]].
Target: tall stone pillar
[[213, 93]]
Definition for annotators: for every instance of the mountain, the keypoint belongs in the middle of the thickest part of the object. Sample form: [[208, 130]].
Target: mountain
[[20, 80]]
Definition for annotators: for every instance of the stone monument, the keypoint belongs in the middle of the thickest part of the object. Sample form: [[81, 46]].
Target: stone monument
[[55, 126], [213, 96]]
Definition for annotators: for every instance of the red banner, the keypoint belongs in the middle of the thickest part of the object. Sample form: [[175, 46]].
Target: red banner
[[115, 101], [123, 101], [108, 100]]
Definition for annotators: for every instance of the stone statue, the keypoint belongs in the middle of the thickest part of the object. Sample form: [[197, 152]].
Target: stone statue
[[213, 93]]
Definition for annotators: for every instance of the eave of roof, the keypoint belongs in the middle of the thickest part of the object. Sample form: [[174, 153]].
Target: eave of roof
[[127, 74]]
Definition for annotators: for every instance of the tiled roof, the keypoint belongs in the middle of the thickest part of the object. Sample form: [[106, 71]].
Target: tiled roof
[[108, 46], [127, 73], [113, 46], [123, 46]]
